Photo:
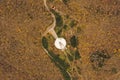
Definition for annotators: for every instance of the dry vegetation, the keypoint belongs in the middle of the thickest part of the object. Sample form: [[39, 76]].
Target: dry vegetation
[[96, 24]]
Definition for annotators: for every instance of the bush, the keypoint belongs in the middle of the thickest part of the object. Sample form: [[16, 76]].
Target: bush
[[72, 23], [45, 42], [77, 55], [79, 30], [60, 64], [59, 20], [65, 1], [59, 32], [74, 41], [65, 26]]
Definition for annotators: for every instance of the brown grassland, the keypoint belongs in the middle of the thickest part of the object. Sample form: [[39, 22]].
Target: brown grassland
[[22, 23]]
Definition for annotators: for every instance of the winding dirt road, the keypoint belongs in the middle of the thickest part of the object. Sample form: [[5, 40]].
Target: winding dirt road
[[50, 29]]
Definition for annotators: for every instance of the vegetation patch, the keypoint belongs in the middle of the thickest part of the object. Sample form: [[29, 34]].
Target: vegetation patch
[[77, 55], [98, 59], [59, 20], [74, 55], [65, 26], [65, 1], [72, 23], [74, 41], [79, 30], [45, 42], [61, 60], [60, 63], [59, 31]]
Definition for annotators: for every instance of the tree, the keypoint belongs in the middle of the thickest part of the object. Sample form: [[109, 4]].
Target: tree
[[45, 42], [74, 41]]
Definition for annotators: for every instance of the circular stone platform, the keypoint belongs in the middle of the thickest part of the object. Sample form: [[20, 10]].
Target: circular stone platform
[[60, 43]]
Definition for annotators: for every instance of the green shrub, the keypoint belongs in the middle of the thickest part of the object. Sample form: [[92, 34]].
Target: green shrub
[[72, 23], [59, 32], [74, 41], [45, 42], [59, 20], [65, 26], [77, 55], [65, 1], [70, 57], [79, 29], [58, 60], [61, 64]]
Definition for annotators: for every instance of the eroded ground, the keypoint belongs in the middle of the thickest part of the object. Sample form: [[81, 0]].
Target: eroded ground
[[22, 23]]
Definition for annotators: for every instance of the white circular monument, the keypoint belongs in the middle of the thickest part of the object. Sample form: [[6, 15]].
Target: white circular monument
[[60, 43]]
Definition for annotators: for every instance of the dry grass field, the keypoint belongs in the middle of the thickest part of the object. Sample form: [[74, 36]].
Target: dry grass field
[[97, 27]]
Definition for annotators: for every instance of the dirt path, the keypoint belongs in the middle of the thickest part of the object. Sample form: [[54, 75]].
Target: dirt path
[[50, 29]]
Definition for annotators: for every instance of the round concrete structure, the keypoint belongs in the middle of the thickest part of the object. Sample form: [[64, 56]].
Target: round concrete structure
[[60, 43]]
